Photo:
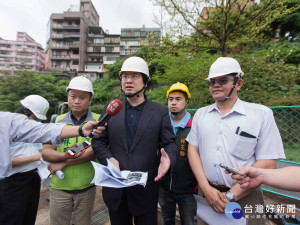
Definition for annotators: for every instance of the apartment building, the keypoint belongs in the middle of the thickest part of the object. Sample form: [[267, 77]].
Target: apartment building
[[103, 49], [22, 54], [76, 42], [132, 39], [67, 37]]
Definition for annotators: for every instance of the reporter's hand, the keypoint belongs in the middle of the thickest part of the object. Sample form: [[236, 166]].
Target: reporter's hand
[[89, 127], [249, 177]]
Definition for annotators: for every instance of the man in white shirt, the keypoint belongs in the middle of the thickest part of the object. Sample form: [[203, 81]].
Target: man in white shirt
[[233, 132], [21, 188]]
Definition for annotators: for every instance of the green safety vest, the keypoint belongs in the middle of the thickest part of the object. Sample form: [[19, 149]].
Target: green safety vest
[[78, 176]]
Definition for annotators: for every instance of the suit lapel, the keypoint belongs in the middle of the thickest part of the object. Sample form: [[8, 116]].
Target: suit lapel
[[143, 123], [121, 120]]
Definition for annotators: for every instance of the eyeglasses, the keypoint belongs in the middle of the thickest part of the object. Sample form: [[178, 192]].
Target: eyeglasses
[[133, 77], [221, 81]]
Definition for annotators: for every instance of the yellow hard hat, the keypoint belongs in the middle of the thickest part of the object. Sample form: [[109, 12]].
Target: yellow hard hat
[[179, 87]]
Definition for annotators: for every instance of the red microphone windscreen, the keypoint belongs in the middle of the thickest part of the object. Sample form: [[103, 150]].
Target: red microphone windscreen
[[114, 107]]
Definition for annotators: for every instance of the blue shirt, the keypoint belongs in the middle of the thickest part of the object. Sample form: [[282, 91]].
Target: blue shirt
[[183, 122], [16, 127]]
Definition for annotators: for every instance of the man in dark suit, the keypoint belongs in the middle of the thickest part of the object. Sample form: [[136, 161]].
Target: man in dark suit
[[139, 138]]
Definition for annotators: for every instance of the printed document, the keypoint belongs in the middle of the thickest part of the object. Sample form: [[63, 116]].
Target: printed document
[[110, 176]]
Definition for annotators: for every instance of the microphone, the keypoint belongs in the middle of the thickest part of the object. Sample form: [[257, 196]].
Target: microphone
[[113, 108]]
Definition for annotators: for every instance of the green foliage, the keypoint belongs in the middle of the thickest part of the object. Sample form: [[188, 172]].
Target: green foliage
[[15, 88], [113, 70], [105, 89], [289, 24], [225, 26]]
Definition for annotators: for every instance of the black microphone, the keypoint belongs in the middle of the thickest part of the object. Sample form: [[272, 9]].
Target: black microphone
[[112, 109]]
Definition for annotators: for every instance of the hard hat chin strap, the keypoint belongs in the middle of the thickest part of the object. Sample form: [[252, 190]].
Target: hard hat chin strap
[[130, 95], [233, 87], [176, 113]]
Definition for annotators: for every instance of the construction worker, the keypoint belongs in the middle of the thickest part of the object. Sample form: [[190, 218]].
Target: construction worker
[[233, 132], [138, 138], [21, 192], [178, 186], [74, 193]]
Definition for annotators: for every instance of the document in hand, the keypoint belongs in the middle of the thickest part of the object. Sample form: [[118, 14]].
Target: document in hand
[[44, 172], [110, 176], [209, 216]]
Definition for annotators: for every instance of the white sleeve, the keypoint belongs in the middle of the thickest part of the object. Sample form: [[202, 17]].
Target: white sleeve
[[30, 131]]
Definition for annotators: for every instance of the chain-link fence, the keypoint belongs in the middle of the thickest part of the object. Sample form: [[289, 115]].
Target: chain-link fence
[[288, 122]]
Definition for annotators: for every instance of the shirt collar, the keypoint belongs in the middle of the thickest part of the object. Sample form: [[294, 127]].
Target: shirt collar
[[138, 107], [238, 107], [183, 122], [84, 116]]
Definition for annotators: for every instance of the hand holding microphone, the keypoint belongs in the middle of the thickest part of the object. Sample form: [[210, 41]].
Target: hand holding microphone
[[112, 109]]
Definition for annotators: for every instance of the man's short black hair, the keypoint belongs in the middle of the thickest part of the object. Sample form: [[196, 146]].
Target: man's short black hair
[[145, 78], [23, 110]]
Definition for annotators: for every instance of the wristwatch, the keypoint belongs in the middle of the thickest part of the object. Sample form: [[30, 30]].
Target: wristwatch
[[230, 196], [80, 131]]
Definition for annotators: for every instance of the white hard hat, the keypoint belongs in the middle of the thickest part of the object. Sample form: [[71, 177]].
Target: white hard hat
[[37, 105], [223, 66], [135, 64], [81, 83]]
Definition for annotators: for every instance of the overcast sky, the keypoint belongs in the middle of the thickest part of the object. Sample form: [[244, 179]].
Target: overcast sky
[[32, 16]]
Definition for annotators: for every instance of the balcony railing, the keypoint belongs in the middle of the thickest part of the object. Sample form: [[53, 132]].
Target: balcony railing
[[61, 56]]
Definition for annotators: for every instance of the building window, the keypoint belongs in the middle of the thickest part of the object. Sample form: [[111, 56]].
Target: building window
[[98, 41], [5, 45], [132, 43], [111, 58], [108, 49], [75, 62], [6, 59], [89, 49], [116, 49], [143, 34]]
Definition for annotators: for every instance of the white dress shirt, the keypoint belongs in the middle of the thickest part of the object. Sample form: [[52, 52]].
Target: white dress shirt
[[16, 127], [21, 150], [219, 139]]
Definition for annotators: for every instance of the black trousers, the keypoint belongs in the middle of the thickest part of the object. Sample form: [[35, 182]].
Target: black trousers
[[19, 198], [123, 217]]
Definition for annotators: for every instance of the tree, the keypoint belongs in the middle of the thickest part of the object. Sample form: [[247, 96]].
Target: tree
[[289, 24], [220, 25], [15, 88]]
